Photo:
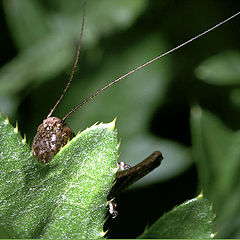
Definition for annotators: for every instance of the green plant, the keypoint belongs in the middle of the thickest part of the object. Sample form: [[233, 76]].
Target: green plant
[[189, 102], [67, 198]]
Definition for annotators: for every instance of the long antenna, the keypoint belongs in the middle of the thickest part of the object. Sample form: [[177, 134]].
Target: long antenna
[[145, 64], [76, 61]]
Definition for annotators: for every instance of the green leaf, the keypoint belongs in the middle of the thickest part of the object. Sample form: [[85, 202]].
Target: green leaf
[[15, 156], [66, 198], [26, 20], [123, 14], [217, 153], [37, 63], [221, 69], [235, 97], [192, 219]]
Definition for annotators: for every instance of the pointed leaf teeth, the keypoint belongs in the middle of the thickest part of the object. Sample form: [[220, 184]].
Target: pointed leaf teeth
[[200, 194], [213, 234], [196, 109], [88, 141], [95, 124], [110, 125], [102, 234], [24, 139], [114, 122], [16, 128], [6, 120]]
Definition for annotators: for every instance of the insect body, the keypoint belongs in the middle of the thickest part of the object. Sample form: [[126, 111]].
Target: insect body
[[51, 135]]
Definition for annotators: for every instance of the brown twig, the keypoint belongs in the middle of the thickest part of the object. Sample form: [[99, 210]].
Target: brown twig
[[126, 178]]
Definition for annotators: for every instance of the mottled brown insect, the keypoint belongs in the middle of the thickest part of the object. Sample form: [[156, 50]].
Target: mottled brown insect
[[54, 133], [51, 135]]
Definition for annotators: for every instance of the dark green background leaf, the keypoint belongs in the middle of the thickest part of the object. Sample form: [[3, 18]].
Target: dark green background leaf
[[217, 153], [222, 69], [192, 219]]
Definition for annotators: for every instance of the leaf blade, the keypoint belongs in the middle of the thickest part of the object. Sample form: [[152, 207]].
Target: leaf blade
[[67, 197], [216, 152], [192, 219]]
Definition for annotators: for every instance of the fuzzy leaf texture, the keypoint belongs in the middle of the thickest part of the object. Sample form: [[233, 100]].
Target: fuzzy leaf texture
[[66, 198], [192, 219]]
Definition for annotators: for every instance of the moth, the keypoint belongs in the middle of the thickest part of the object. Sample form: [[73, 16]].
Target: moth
[[54, 133]]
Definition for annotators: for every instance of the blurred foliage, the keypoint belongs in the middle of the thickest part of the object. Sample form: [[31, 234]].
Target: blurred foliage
[[38, 47]]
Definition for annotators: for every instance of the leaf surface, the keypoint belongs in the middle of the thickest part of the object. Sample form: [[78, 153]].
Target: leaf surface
[[217, 153], [192, 219], [66, 198]]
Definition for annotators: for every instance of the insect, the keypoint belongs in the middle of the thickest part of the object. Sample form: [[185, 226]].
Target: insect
[[54, 133]]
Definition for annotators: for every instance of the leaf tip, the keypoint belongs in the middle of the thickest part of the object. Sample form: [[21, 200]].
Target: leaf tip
[[112, 124], [16, 128], [213, 235], [200, 194], [24, 138], [196, 110], [6, 120], [102, 234], [118, 145]]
